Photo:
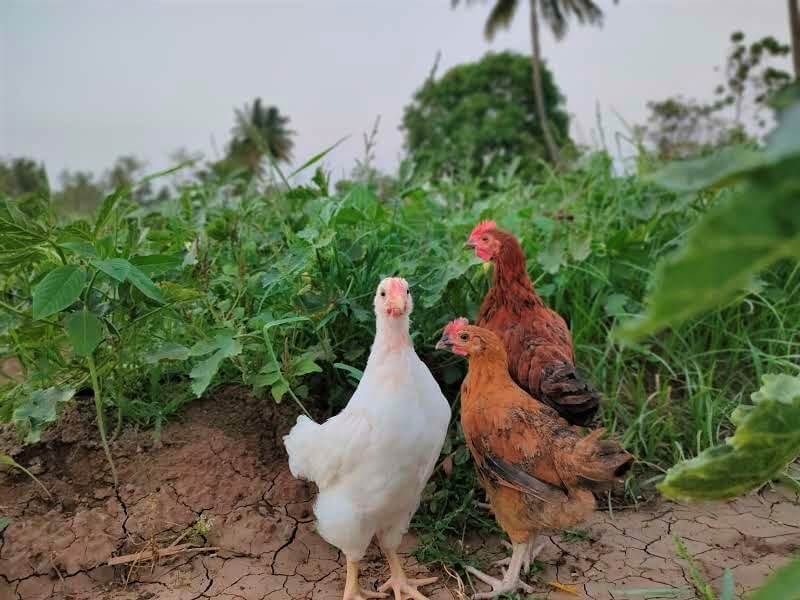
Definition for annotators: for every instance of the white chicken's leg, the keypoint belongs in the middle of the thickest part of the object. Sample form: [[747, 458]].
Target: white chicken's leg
[[527, 560], [511, 581], [352, 589], [398, 581]]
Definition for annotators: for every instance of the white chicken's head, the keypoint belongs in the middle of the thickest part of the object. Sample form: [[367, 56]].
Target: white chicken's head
[[393, 298]]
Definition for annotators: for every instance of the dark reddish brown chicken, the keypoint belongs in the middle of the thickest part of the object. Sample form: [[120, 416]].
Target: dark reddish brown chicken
[[536, 338]]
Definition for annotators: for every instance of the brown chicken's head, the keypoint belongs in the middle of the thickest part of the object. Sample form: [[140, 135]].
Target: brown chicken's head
[[393, 298], [468, 340], [484, 240]]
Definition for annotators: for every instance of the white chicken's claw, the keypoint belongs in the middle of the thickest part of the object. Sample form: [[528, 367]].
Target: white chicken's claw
[[510, 582], [400, 583]]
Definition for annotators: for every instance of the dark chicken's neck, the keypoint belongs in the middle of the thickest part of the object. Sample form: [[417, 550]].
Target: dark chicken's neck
[[511, 278]]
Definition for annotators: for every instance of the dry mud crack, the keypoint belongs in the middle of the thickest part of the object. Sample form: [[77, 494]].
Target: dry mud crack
[[223, 465]]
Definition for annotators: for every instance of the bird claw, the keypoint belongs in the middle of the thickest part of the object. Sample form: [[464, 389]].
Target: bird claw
[[364, 595], [499, 587], [405, 585]]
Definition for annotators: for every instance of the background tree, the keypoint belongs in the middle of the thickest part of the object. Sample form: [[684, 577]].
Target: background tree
[[20, 176], [679, 128], [260, 131], [794, 28], [556, 15], [482, 115]]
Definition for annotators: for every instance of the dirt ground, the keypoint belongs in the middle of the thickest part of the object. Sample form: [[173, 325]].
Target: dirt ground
[[221, 470]]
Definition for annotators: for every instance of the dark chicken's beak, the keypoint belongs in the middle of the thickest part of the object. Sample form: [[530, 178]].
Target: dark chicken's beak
[[469, 244], [444, 343]]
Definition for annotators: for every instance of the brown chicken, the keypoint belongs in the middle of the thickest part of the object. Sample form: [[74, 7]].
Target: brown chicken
[[537, 339], [537, 471]]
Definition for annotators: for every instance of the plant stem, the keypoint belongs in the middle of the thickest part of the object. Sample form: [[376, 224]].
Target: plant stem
[[98, 407], [6, 459]]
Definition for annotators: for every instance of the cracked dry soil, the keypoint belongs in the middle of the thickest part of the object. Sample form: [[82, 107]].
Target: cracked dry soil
[[223, 461]]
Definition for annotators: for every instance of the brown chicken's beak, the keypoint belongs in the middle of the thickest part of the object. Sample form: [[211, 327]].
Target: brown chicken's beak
[[444, 343], [469, 244]]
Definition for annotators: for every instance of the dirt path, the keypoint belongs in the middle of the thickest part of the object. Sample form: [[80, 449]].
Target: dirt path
[[223, 467]]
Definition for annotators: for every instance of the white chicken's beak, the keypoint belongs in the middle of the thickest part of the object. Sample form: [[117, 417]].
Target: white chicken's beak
[[396, 307]]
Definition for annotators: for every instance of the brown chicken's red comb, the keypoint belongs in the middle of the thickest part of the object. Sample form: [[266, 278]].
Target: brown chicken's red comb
[[482, 228], [453, 326]]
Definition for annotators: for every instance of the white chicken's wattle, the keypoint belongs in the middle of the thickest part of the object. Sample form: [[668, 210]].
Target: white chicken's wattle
[[372, 460]]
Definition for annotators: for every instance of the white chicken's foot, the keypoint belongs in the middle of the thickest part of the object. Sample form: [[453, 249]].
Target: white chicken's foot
[[399, 582], [352, 589], [510, 582]]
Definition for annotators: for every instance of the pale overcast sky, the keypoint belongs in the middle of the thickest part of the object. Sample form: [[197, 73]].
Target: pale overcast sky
[[82, 82]]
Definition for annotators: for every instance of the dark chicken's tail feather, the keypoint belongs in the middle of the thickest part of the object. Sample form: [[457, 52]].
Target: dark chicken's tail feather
[[599, 464], [568, 393]]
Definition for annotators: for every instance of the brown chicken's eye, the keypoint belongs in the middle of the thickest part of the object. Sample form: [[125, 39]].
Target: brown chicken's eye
[[484, 239], [464, 336]]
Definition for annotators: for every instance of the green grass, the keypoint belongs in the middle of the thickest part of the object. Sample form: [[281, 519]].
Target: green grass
[[246, 255]]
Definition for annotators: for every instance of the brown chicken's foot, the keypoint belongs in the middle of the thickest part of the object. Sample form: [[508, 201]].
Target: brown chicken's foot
[[352, 589], [511, 581], [485, 506], [527, 559], [399, 583]]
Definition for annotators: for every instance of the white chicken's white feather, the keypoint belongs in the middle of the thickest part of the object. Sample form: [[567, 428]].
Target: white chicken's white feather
[[372, 460]]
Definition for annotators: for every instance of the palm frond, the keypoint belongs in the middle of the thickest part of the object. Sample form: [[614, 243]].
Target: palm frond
[[501, 16]]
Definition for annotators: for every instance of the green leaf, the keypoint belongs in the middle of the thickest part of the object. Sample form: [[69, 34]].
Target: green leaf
[[156, 264], [84, 331], [38, 410], [728, 588], [4, 522], [145, 285], [316, 158], [783, 584], [766, 440], [59, 289], [553, 257], [303, 365], [169, 351], [279, 389], [83, 249], [110, 201], [267, 377], [733, 242], [116, 268], [615, 304], [285, 321], [356, 374], [223, 346]]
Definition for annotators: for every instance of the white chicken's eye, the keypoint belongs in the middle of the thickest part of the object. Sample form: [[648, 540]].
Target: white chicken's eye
[[383, 294], [408, 292]]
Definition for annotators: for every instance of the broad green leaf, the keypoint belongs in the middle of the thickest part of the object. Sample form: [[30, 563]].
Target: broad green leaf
[[38, 410], [784, 584], [4, 522], [733, 242], [223, 346], [304, 365], [766, 440], [553, 257], [84, 331], [177, 293], [83, 249], [145, 285], [116, 268], [169, 351], [279, 389], [615, 304], [59, 289], [156, 264], [266, 377]]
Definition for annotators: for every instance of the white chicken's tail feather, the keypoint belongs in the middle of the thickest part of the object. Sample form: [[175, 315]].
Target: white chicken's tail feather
[[301, 447]]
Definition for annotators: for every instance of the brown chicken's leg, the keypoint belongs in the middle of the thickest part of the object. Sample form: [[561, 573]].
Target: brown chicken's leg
[[527, 560], [352, 589], [398, 581], [511, 581]]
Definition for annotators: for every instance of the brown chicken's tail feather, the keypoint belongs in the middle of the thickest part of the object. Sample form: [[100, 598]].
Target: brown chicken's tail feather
[[599, 464], [571, 395]]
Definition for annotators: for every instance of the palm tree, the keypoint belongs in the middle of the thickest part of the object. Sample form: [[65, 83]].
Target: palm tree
[[260, 131], [556, 14]]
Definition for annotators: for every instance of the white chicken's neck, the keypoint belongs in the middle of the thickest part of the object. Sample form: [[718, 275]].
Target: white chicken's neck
[[391, 334]]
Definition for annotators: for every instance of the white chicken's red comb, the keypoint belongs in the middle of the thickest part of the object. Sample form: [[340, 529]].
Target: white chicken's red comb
[[482, 228], [453, 326]]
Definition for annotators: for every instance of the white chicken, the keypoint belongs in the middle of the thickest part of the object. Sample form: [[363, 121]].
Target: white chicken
[[372, 460]]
